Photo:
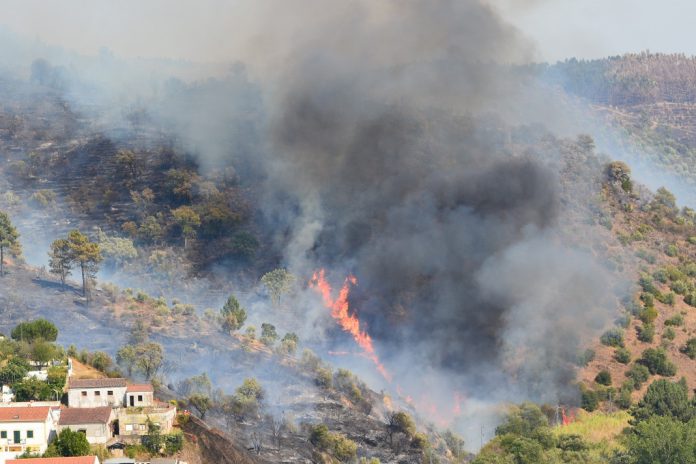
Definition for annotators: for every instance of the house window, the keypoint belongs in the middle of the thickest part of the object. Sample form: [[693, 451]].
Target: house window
[[97, 393], [110, 392], [129, 427], [84, 393], [30, 434], [3, 434], [140, 398]]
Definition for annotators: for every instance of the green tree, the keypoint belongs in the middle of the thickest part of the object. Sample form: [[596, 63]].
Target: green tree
[[268, 334], [69, 443], [149, 359], [127, 357], [278, 282], [60, 259], [523, 420], [34, 330], [663, 440], [8, 238], [86, 254], [665, 398], [188, 220], [233, 315], [43, 352], [201, 403]]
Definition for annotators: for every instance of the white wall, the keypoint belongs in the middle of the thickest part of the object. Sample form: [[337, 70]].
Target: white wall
[[43, 433], [96, 397]]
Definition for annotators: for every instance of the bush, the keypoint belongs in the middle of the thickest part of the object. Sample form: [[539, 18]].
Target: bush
[[655, 359], [603, 378], [323, 378], [690, 348], [669, 334], [667, 298], [648, 315], [622, 355], [672, 250], [335, 444], [690, 299], [613, 337], [585, 357], [639, 374], [646, 333], [589, 400], [675, 321], [680, 287]]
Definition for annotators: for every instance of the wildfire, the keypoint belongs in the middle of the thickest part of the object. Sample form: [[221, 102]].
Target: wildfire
[[348, 322]]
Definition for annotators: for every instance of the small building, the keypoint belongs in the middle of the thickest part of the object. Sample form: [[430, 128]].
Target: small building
[[139, 395], [25, 429], [70, 460], [93, 393], [95, 423], [136, 420]]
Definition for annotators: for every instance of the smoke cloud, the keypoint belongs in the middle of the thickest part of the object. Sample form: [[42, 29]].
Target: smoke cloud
[[383, 165]]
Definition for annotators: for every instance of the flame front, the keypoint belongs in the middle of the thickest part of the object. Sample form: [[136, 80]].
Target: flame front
[[348, 322]]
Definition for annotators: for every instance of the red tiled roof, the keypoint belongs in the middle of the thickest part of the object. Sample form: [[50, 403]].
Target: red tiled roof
[[96, 383], [77, 416], [24, 414], [140, 387], [70, 460]]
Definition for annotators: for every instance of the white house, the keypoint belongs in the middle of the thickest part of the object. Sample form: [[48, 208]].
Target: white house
[[95, 423], [26, 428], [140, 395], [93, 393], [71, 460]]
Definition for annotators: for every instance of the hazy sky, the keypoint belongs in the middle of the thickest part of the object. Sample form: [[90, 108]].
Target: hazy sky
[[211, 30]]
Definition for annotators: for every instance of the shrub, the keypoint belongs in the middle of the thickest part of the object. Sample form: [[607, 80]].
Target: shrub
[[667, 298], [589, 400], [648, 315], [646, 333], [680, 286], [622, 355], [337, 445], [639, 374], [690, 348], [655, 359], [613, 337], [672, 250], [690, 299], [675, 321], [603, 377], [669, 334], [585, 357]]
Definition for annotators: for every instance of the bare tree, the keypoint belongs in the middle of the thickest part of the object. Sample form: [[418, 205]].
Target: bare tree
[[256, 441]]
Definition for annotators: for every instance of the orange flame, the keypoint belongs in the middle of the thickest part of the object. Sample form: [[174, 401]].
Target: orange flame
[[348, 322]]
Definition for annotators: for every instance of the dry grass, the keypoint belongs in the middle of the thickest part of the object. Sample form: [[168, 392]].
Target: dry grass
[[598, 427], [83, 371]]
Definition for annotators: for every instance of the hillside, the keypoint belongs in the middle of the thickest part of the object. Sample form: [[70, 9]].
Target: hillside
[[648, 102]]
